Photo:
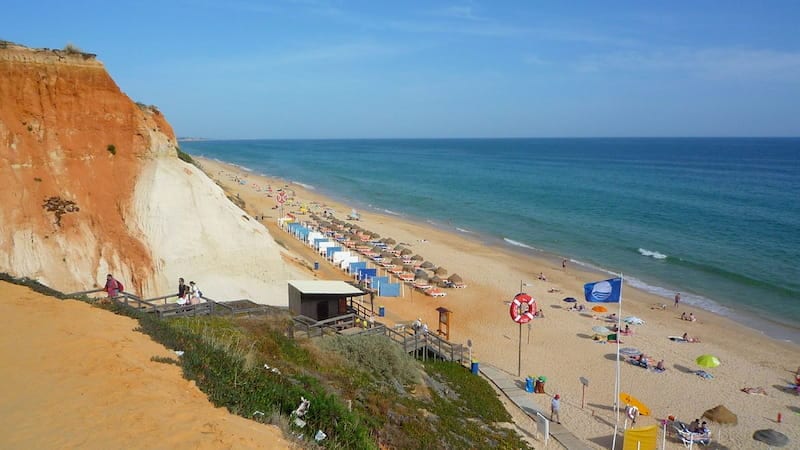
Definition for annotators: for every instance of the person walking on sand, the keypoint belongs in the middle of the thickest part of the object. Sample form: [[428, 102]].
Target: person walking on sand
[[677, 299], [555, 406], [564, 264], [113, 287]]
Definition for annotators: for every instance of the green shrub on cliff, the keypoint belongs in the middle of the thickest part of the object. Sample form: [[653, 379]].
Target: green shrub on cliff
[[185, 157]]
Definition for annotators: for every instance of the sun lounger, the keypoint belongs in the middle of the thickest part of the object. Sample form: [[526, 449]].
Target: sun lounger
[[435, 292], [689, 438]]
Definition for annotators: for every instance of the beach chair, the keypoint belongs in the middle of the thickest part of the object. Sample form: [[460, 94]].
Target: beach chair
[[689, 438]]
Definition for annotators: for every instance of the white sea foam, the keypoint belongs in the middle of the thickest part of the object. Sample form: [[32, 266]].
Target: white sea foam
[[391, 213], [245, 168], [463, 230], [307, 186], [686, 297], [518, 244], [652, 254]]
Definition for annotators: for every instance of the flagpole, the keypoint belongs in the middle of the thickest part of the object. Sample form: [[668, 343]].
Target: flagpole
[[617, 389]]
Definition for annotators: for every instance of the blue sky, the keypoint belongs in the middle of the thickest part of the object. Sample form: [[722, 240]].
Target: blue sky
[[381, 69]]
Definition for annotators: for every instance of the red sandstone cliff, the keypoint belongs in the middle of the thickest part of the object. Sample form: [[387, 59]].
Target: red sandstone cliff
[[71, 147]]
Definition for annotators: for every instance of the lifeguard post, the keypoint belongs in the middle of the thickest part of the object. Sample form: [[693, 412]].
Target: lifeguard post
[[444, 322]]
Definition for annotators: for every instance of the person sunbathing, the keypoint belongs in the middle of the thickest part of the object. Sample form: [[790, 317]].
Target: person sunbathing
[[690, 339], [660, 366]]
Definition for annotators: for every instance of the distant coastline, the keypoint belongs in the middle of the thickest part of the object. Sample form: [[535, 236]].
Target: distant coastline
[[192, 139]]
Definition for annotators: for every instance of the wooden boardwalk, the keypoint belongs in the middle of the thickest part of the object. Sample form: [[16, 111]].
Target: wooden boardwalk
[[165, 306]]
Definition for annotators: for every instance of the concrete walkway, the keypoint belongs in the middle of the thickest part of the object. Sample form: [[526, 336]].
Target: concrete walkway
[[510, 386]]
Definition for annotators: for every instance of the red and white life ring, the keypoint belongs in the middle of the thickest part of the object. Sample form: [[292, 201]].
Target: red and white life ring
[[522, 314]]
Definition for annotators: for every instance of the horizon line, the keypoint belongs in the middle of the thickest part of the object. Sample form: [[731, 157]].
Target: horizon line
[[201, 139]]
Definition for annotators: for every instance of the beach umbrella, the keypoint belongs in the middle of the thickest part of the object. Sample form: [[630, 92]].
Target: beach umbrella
[[633, 320], [421, 275], [389, 241], [721, 415], [570, 300], [600, 309], [374, 235], [417, 258], [408, 267], [441, 271], [406, 251], [397, 261], [454, 278], [771, 437], [630, 400], [386, 254], [399, 247], [601, 329], [435, 280], [427, 265], [630, 351], [707, 361]]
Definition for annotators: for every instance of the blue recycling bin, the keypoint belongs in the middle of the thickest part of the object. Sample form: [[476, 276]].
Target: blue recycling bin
[[529, 384], [316, 265], [475, 369], [381, 311]]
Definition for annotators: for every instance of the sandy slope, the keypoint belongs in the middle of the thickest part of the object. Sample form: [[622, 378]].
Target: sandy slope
[[560, 346], [195, 232], [74, 376]]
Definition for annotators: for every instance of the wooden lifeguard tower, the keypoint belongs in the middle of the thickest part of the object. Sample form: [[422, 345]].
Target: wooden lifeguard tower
[[444, 322]]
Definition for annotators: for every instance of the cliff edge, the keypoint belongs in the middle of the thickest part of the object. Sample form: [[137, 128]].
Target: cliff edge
[[81, 164]]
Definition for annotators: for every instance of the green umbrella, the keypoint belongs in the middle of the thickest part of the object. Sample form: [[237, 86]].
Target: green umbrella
[[707, 361]]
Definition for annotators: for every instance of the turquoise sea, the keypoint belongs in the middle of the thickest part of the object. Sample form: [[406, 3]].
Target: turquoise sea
[[717, 219]]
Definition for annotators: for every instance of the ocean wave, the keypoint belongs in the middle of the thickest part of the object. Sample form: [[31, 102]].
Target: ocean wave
[[686, 297], [245, 168], [652, 254], [518, 244], [463, 230], [391, 213], [307, 186]]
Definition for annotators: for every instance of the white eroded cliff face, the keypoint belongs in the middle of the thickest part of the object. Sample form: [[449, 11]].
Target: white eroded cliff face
[[193, 231]]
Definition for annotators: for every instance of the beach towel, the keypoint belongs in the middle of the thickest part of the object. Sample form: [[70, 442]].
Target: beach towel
[[704, 374]]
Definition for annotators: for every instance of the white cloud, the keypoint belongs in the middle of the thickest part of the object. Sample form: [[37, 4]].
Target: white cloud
[[714, 63]]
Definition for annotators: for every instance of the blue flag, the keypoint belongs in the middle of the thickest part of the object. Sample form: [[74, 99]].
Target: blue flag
[[606, 291]]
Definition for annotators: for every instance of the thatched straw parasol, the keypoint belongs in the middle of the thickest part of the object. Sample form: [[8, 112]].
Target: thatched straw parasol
[[721, 415], [454, 278], [421, 275], [397, 261], [408, 267], [374, 235], [427, 265], [406, 251], [389, 241], [417, 258], [436, 280], [441, 271], [399, 247]]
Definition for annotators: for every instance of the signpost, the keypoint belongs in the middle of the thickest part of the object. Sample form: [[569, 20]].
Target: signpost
[[584, 382]]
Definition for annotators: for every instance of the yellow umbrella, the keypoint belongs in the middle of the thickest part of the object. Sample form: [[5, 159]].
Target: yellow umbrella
[[599, 308], [630, 400]]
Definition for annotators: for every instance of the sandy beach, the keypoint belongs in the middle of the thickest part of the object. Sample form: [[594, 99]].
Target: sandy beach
[[75, 376], [559, 346]]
